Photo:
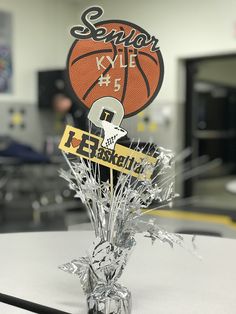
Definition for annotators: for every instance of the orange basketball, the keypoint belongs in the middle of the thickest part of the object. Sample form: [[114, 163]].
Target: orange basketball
[[99, 69]]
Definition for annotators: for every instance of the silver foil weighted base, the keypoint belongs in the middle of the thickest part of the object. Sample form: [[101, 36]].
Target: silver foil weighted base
[[116, 218], [114, 299]]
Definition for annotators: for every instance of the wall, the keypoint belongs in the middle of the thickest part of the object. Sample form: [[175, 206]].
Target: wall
[[186, 28], [218, 71], [40, 41]]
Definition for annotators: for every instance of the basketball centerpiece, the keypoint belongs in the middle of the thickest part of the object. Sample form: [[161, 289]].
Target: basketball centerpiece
[[115, 70]]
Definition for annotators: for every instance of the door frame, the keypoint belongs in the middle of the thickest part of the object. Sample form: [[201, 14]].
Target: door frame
[[190, 68]]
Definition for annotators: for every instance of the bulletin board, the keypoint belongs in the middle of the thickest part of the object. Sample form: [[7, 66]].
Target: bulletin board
[[5, 52]]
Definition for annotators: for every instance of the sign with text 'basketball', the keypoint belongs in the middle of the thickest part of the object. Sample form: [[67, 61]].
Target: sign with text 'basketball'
[[123, 159], [116, 59]]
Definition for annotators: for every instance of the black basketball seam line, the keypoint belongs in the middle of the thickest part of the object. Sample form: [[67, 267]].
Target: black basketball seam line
[[125, 76], [90, 54], [143, 74], [126, 70], [147, 55], [104, 72]]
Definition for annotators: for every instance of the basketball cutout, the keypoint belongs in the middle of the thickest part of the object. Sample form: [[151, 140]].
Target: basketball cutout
[[114, 59]]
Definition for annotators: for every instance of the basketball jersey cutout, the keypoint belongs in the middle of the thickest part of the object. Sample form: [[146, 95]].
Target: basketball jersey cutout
[[115, 59]]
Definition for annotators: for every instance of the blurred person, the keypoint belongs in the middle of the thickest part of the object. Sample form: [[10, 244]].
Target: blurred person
[[71, 112]]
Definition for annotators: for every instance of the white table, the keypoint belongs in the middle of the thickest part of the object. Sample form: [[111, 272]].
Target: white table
[[8, 309], [162, 280]]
